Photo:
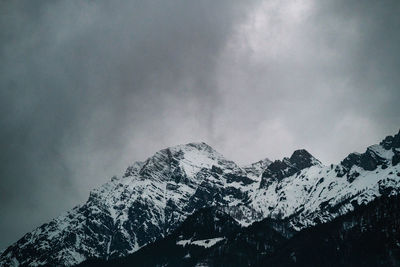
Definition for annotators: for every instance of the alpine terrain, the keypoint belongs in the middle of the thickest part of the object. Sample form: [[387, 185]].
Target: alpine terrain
[[205, 209]]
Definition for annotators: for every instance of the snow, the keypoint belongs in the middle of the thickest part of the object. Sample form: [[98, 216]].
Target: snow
[[380, 151], [206, 243], [184, 242], [193, 162], [255, 170], [108, 246], [319, 184]]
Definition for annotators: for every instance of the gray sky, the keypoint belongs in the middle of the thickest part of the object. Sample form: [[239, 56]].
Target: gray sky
[[88, 87]]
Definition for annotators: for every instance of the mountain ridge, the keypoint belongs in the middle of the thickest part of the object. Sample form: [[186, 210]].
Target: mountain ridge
[[152, 198]]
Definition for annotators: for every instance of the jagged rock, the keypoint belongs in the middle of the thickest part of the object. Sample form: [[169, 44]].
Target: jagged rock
[[396, 157], [351, 160], [255, 170], [391, 141], [280, 169], [302, 159], [369, 160]]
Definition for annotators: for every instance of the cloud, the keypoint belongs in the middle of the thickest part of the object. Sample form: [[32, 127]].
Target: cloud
[[88, 87], [314, 68]]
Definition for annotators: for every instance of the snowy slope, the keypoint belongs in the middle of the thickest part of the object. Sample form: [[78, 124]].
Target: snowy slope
[[204, 229], [320, 193], [150, 200], [255, 170], [153, 197]]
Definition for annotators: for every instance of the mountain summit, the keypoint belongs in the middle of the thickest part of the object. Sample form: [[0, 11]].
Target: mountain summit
[[279, 169], [152, 199]]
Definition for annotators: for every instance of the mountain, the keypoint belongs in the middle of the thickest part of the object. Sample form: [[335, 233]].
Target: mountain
[[367, 236], [150, 200], [308, 193], [154, 197]]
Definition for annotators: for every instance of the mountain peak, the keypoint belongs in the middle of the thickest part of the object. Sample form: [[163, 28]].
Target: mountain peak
[[182, 160], [302, 159], [193, 146], [279, 169], [387, 152], [254, 170], [199, 144], [300, 153]]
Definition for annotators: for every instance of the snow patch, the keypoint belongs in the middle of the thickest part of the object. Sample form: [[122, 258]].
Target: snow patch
[[206, 243]]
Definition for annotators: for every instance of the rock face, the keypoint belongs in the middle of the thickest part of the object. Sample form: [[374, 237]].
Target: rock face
[[280, 169], [255, 170], [153, 198]]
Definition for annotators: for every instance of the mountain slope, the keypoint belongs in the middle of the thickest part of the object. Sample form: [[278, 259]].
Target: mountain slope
[[149, 201], [190, 241], [367, 236], [315, 194], [154, 197], [209, 237]]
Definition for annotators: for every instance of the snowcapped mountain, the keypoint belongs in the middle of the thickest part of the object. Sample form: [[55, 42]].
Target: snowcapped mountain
[[154, 197], [151, 199], [307, 192]]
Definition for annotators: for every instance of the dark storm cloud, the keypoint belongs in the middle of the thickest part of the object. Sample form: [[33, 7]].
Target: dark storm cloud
[[323, 75], [89, 87]]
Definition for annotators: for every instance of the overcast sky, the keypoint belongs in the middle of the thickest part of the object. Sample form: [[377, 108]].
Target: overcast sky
[[88, 87]]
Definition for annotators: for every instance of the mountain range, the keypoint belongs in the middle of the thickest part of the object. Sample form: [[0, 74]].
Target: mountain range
[[204, 209]]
